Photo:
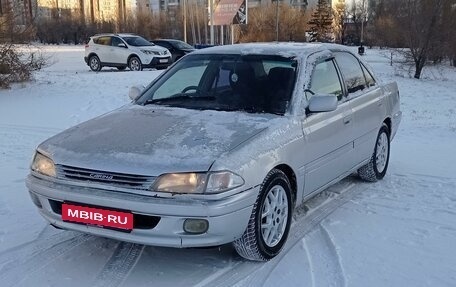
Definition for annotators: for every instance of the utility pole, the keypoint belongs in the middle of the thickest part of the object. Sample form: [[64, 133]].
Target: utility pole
[[185, 20], [211, 7], [362, 23], [277, 21]]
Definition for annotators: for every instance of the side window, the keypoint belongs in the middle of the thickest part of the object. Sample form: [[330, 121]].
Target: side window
[[325, 80], [167, 45], [369, 79], [163, 44], [222, 80], [103, 41], [351, 71], [115, 41]]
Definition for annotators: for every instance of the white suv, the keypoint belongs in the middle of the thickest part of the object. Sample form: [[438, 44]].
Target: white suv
[[124, 50]]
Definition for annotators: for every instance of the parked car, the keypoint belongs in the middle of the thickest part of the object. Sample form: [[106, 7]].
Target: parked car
[[220, 148], [177, 48], [124, 50]]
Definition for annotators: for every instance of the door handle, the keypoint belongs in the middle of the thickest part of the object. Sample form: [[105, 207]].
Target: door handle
[[347, 120]]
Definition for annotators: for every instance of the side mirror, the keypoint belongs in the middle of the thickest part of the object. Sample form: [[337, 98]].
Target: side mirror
[[322, 103], [135, 92], [121, 45]]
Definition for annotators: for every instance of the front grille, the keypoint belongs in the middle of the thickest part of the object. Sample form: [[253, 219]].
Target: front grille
[[105, 177]]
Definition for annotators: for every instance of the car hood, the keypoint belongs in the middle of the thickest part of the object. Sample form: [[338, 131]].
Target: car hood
[[154, 48], [152, 140]]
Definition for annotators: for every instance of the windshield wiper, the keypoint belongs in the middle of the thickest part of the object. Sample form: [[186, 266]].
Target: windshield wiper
[[178, 97]]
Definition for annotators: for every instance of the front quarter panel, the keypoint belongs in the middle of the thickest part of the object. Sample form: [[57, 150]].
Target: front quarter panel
[[280, 143]]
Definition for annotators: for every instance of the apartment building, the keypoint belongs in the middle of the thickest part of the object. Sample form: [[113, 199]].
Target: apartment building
[[90, 10]]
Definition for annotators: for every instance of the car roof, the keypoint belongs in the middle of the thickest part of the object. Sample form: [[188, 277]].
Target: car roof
[[284, 49], [115, 34], [169, 40]]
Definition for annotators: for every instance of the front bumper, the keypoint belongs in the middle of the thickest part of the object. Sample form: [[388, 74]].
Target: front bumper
[[157, 62], [227, 217]]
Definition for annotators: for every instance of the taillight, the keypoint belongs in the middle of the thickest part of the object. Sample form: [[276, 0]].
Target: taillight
[[87, 45]]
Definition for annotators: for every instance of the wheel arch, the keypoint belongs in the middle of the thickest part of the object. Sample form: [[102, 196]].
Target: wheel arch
[[291, 175], [388, 123], [131, 56], [92, 54]]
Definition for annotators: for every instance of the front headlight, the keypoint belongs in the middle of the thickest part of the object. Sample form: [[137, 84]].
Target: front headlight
[[193, 182], [223, 181], [43, 165], [147, 52]]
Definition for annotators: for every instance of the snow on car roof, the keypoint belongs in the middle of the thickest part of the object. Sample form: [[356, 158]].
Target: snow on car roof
[[285, 49]]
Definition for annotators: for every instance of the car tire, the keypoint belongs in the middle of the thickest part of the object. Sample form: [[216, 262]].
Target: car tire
[[121, 68], [134, 64], [376, 168], [273, 209], [94, 63]]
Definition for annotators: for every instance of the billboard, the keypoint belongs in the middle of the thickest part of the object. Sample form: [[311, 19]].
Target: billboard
[[229, 12]]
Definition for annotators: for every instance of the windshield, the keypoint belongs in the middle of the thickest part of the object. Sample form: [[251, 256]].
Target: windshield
[[181, 45], [256, 83], [137, 41]]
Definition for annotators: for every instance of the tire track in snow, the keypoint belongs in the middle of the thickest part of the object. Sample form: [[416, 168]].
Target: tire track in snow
[[326, 269], [21, 262], [256, 274], [119, 266], [336, 259]]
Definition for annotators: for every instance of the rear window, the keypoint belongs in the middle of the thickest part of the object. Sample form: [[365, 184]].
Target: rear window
[[103, 41]]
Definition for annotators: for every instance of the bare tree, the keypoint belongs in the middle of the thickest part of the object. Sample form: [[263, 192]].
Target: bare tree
[[16, 62], [262, 24], [340, 14], [420, 23]]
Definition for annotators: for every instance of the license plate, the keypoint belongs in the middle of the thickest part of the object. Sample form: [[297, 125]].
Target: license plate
[[163, 60], [97, 216]]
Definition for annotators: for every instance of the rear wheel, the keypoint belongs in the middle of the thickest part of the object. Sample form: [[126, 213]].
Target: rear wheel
[[134, 64], [376, 168], [94, 63], [269, 223]]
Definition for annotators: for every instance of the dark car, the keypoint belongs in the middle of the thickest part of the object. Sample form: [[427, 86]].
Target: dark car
[[177, 48]]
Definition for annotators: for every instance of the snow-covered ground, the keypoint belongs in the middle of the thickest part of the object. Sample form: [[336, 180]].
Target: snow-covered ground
[[400, 231]]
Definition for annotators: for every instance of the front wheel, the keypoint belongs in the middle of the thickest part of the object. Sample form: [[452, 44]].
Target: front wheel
[[376, 168], [134, 64], [269, 223]]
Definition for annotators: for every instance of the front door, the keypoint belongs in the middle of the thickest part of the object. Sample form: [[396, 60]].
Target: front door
[[328, 135]]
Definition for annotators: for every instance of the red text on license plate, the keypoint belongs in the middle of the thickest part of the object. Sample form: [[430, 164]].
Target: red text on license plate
[[96, 216]]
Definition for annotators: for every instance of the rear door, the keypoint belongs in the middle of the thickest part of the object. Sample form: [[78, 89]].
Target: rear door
[[102, 48], [366, 101], [328, 135]]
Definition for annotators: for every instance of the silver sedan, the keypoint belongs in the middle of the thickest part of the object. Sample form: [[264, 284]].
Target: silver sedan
[[220, 148]]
